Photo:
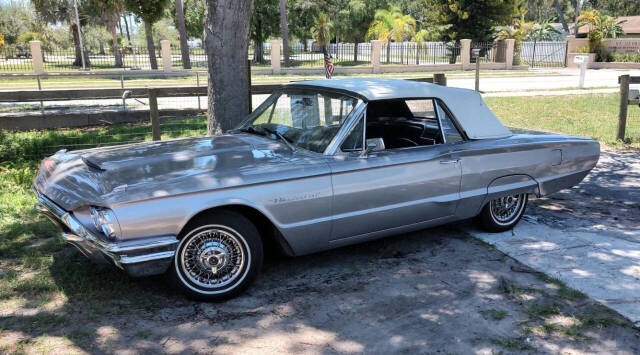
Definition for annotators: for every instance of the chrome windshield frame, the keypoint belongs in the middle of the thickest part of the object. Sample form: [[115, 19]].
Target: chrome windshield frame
[[350, 123]]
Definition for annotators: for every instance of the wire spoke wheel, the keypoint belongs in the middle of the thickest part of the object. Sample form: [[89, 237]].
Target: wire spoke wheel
[[505, 210], [213, 259]]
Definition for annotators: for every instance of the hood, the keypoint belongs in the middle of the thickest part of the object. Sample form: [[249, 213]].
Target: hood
[[133, 172]]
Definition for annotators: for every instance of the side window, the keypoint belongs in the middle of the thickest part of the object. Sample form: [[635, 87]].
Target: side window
[[422, 108], [451, 133], [353, 142]]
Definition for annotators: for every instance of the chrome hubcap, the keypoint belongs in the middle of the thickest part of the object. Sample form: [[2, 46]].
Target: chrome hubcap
[[213, 258], [505, 209]]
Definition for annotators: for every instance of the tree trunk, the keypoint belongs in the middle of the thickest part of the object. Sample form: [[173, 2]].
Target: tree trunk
[[116, 47], [284, 30], [258, 52], [182, 30], [576, 7], [101, 43], [76, 43], [151, 48], [226, 43], [258, 43], [126, 26], [120, 26], [556, 4], [355, 51]]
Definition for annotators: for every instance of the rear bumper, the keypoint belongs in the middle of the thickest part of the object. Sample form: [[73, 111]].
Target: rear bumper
[[140, 257]]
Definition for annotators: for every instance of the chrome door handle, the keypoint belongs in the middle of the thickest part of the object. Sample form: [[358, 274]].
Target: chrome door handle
[[449, 161]]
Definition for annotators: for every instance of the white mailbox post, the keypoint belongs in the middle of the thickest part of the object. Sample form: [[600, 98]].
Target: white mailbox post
[[582, 60]]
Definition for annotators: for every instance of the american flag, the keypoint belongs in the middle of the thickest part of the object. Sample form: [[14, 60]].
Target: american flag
[[328, 66]]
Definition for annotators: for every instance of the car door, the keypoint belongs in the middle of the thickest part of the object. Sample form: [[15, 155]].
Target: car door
[[393, 189]]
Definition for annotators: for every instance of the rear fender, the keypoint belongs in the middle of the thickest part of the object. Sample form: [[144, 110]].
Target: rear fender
[[511, 185]]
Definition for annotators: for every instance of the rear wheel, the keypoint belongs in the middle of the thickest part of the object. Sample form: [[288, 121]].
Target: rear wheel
[[219, 256], [503, 213]]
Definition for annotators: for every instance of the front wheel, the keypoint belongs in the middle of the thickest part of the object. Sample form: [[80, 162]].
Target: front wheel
[[219, 256], [503, 213]]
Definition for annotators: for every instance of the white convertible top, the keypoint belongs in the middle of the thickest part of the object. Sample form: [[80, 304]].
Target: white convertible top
[[467, 106]]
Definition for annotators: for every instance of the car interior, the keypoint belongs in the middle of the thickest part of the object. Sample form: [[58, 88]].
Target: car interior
[[399, 123]]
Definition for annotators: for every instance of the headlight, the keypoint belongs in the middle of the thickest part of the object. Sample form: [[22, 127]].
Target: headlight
[[105, 220]]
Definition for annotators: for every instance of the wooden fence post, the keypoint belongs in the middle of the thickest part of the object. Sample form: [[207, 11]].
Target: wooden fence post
[[624, 102], [440, 79], [154, 115]]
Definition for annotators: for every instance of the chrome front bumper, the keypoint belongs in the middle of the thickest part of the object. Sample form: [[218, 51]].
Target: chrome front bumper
[[139, 257]]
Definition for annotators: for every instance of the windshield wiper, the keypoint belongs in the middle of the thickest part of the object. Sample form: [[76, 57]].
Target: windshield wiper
[[251, 129], [281, 137]]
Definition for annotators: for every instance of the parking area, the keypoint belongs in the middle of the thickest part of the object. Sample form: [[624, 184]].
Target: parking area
[[436, 290]]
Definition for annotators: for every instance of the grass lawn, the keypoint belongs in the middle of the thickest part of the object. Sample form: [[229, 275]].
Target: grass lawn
[[594, 116]]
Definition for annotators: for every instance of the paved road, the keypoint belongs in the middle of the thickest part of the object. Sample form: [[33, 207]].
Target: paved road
[[587, 236]]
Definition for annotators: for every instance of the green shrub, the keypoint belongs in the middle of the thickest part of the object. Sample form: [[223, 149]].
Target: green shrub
[[624, 57]]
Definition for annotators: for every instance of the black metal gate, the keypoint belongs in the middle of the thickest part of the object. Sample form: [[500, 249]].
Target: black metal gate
[[543, 54]]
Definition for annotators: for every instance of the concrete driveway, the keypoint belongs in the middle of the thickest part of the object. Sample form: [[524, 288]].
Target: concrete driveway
[[587, 236]]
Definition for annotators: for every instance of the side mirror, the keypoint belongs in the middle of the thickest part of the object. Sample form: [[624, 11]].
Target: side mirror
[[373, 145]]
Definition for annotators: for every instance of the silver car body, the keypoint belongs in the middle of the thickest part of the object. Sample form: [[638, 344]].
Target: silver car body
[[313, 201]]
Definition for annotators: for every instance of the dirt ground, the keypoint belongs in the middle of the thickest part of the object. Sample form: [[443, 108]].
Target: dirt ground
[[433, 291]]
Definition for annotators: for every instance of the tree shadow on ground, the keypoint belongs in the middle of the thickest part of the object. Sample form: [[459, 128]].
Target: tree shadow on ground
[[427, 291], [607, 200]]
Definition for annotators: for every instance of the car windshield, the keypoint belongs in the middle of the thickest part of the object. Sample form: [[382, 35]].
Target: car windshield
[[304, 118]]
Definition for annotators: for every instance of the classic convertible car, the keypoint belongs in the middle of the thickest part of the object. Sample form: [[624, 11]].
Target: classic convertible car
[[319, 165]]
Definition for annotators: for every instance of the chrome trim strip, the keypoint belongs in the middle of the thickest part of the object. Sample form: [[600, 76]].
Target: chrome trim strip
[[346, 128], [126, 260], [137, 245]]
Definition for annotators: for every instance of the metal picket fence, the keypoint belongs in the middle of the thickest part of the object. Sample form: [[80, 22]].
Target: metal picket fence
[[14, 59], [543, 54], [491, 51], [428, 53]]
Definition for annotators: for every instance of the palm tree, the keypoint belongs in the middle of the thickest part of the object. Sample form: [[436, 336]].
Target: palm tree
[[519, 32], [391, 25], [600, 27], [321, 32]]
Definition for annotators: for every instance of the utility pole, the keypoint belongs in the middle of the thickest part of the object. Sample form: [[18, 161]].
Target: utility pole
[[75, 6]]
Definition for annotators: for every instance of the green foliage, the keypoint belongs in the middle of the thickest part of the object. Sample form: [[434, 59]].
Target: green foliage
[[15, 18], [163, 29], [150, 11], [321, 30], [391, 25], [474, 19], [431, 34], [615, 7], [543, 31], [194, 16], [354, 18], [623, 57], [265, 20], [600, 27]]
